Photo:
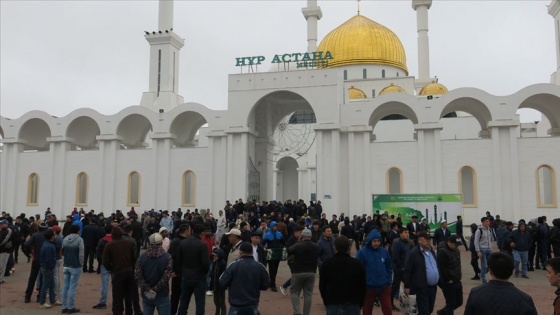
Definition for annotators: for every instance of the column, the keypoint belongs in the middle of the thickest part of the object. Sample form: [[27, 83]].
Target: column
[[554, 11], [57, 153], [312, 14], [328, 166], [430, 178], [10, 175], [108, 147], [359, 199], [217, 151], [161, 160]]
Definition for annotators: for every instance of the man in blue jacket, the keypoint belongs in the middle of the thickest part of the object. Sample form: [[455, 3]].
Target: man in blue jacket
[[379, 273], [48, 263], [245, 278], [520, 241]]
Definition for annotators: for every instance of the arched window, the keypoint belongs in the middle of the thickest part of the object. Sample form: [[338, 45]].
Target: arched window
[[134, 189], [546, 187], [468, 186], [189, 189], [345, 75], [33, 190], [364, 73], [81, 189], [382, 73], [394, 181]]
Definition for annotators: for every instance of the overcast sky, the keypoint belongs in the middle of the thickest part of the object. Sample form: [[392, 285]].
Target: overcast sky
[[58, 56]]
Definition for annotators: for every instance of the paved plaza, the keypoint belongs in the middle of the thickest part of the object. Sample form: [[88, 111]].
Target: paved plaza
[[12, 293]]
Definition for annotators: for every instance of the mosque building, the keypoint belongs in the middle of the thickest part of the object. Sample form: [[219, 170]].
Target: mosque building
[[339, 122]]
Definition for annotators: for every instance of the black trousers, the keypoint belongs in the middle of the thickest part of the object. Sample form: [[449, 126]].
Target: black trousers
[[397, 279], [453, 294], [474, 263], [175, 294], [220, 302], [89, 254], [35, 267], [273, 271], [123, 285]]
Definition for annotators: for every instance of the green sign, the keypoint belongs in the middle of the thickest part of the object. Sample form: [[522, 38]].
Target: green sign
[[302, 60], [432, 207]]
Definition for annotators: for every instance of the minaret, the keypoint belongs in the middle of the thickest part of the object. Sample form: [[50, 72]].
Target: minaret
[[312, 14], [421, 7], [554, 10], [164, 62]]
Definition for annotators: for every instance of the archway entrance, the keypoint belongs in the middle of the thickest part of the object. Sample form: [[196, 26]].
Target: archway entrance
[[287, 181]]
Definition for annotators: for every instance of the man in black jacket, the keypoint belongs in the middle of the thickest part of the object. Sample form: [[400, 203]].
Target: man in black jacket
[[520, 241], [499, 296], [441, 234], [183, 232], [400, 249], [449, 264], [342, 281], [421, 275], [306, 254], [193, 262]]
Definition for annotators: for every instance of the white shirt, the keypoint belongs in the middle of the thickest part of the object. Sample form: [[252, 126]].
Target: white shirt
[[255, 253]]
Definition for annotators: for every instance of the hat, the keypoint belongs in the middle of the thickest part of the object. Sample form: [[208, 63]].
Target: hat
[[443, 221], [162, 229], [56, 228], [4, 221], [43, 226], [234, 232], [256, 234], [414, 216], [454, 238], [246, 247], [156, 238], [306, 232], [424, 234]]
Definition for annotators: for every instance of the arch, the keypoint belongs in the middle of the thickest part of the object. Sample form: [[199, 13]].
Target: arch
[[186, 126], [134, 189], [34, 133], [133, 130], [188, 191], [82, 185], [547, 104], [394, 181], [546, 187], [287, 180], [396, 116], [83, 131], [469, 105], [468, 186], [33, 189], [392, 108]]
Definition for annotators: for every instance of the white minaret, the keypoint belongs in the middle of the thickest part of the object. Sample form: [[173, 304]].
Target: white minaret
[[164, 62], [312, 14], [554, 10], [421, 7]]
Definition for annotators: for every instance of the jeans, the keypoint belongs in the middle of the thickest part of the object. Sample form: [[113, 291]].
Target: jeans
[[105, 275], [247, 310], [425, 299], [71, 277], [520, 257], [484, 263], [453, 294], [384, 297], [160, 302], [57, 286], [305, 281], [48, 284], [188, 288], [343, 309]]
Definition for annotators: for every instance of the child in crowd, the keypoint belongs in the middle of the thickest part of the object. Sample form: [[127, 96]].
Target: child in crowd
[[216, 269]]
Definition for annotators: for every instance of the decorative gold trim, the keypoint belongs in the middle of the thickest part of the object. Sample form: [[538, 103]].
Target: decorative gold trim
[[388, 180], [79, 188], [192, 202], [475, 187], [554, 203], [30, 196], [129, 193]]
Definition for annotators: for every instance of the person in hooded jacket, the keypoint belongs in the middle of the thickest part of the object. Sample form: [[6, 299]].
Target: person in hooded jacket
[[76, 221], [474, 256], [73, 251], [273, 241], [105, 274], [216, 270], [379, 273]]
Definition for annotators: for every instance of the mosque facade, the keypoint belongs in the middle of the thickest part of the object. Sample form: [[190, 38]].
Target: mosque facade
[[339, 123]]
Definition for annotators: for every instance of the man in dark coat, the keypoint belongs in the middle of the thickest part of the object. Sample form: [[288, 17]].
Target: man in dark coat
[[449, 264], [441, 234]]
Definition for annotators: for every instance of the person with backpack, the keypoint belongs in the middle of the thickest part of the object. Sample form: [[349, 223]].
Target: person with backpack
[[484, 239]]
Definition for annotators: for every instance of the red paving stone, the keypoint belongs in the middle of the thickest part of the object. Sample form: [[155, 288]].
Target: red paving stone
[[12, 294]]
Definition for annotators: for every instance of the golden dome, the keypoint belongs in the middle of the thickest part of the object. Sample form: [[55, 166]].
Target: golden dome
[[355, 93], [392, 89], [433, 89], [363, 41]]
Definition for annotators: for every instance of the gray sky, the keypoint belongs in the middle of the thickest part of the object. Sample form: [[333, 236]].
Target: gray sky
[[58, 56]]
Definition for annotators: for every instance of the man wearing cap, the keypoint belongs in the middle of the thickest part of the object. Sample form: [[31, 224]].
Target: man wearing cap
[[520, 241], [421, 274], [234, 237], [441, 234], [244, 278], [165, 234], [304, 267], [7, 242], [192, 259], [449, 264], [152, 273]]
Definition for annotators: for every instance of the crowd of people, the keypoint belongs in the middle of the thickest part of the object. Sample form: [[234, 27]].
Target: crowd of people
[[158, 260]]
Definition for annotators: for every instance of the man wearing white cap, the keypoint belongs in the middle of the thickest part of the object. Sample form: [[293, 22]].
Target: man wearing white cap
[[234, 237], [165, 243]]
